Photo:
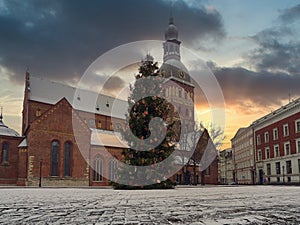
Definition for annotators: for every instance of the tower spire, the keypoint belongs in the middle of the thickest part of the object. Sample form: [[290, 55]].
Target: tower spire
[[171, 45], [171, 19]]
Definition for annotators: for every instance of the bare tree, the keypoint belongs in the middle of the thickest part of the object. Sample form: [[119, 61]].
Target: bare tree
[[216, 133]]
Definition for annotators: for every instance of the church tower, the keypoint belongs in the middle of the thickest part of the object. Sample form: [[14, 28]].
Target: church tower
[[178, 88]]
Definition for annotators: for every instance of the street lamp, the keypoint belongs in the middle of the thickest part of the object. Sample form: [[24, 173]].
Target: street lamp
[[283, 174], [41, 165]]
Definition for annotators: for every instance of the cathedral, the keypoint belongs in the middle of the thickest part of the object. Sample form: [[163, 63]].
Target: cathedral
[[49, 153]]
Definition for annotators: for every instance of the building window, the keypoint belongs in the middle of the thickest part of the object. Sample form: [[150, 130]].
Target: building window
[[287, 148], [298, 145], [277, 164], [67, 159], [186, 112], [54, 158], [275, 134], [267, 152], [298, 165], [92, 122], [38, 112], [5, 148], [285, 130], [297, 126], [289, 167], [112, 170], [276, 151], [207, 171], [268, 169], [258, 140], [259, 155], [180, 93], [99, 125], [98, 168], [266, 137]]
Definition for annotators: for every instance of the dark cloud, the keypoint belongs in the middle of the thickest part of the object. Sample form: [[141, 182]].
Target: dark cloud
[[249, 89], [290, 15], [58, 39], [279, 46], [274, 54]]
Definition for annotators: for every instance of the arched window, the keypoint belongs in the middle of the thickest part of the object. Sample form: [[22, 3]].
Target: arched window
[[98, 169], [112, 169], [5, 148], [54, 158], [67, 159]]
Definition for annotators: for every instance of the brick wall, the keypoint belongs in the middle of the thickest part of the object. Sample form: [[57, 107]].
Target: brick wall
[[56, 124], [9, 169]]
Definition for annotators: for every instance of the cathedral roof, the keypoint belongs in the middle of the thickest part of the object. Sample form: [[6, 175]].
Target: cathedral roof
[[107, 138], [173, 68], [5, 130], [23, 143], [45, 91]]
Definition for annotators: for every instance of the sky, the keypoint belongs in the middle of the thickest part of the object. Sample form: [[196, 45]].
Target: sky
[[252, 47]]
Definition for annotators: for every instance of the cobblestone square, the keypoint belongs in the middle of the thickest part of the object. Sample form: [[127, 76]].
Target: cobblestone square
[[200, 205]]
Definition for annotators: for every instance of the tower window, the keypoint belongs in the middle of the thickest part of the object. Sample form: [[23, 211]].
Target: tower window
[[186, 112]]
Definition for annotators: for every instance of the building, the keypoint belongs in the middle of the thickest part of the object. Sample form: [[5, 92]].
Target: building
[[178, 87], [9, 141], [179, 90], [226, 167], [70, 140], [277, 145], [64, 144], [243, 156]]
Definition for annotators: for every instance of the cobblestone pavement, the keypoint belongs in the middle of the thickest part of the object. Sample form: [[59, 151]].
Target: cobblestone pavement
[[206, 205]]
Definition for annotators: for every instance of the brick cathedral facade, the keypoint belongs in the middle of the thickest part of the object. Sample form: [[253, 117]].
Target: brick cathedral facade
[[50, 153]]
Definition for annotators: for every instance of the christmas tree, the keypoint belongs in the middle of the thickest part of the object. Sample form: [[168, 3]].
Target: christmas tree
[[147, 162]]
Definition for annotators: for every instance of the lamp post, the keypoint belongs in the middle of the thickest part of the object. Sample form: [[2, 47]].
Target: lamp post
[[41, 165], [283, 174]]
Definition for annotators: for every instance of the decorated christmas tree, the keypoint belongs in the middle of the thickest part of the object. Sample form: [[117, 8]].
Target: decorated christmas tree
[[148, 161]]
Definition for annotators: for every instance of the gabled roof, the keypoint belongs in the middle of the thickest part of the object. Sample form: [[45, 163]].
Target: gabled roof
[[57, 106], [283, 109], [240, 130], [43, 90], [23, 143], [6, 131]]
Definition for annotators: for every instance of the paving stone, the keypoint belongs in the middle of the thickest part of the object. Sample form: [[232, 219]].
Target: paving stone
[[197, 206]]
